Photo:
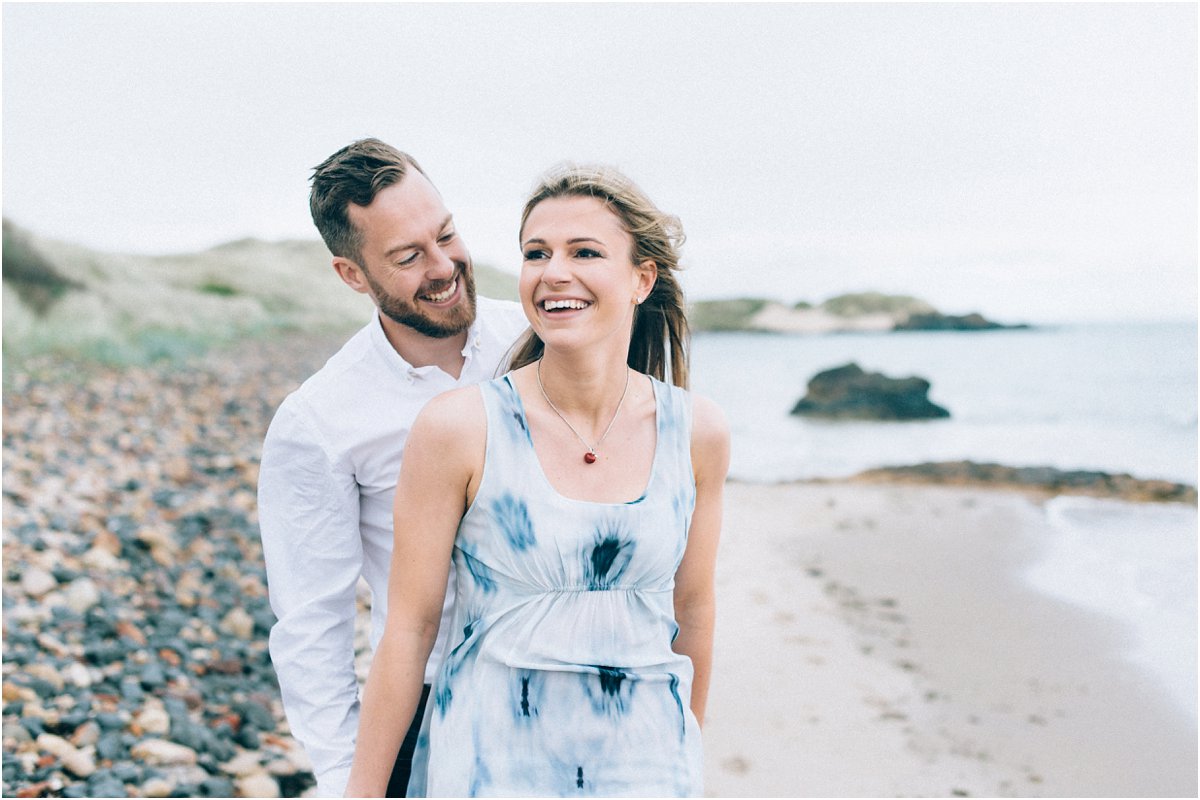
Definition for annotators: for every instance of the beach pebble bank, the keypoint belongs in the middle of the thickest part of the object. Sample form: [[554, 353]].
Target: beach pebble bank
[[135, 599]]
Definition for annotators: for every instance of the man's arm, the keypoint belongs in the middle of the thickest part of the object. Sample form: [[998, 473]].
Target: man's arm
[[308, 515]]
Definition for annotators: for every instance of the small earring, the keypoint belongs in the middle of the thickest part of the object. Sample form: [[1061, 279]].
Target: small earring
[[639, 300]]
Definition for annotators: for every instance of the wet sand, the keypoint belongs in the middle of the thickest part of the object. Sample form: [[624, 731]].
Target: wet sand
[[879, 641]]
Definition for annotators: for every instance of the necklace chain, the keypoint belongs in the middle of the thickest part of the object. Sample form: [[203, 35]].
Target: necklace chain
[[590, 456]]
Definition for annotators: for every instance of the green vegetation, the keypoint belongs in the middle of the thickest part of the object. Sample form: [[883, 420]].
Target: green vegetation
[[856, 305], [29, 274], [218, 288], [724, 315]]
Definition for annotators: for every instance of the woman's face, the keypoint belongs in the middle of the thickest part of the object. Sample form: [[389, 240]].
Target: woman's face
[[578, 283]]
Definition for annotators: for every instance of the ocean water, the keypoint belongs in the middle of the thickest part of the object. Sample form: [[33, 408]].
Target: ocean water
[[1119, 398], [1135, 563]]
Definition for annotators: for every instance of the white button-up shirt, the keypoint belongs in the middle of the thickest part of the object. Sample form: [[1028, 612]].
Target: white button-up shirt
[[326, 483]]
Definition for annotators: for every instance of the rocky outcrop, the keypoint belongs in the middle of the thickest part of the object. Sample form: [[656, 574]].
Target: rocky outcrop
[[848, 392], [936, 321], [863, 312], [1049, 480]]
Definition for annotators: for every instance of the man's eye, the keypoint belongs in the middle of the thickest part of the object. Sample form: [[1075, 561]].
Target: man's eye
[[447, 237], [409, 261]]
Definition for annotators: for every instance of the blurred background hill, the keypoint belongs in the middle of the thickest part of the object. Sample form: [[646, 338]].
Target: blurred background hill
[[63, 297]]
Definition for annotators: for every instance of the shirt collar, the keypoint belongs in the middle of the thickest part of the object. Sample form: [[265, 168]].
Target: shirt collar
[[379, 338]]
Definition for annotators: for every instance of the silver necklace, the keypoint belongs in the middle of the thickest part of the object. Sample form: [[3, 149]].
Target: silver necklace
[[590, 456]]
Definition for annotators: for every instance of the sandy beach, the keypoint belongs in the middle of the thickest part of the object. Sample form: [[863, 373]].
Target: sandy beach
[[873, 639], [879, 641]]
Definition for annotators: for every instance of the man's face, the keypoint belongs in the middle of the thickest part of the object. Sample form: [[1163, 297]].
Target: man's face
[[415, 266]]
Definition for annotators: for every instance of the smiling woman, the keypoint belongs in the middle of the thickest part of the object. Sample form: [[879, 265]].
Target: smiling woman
[[584, 605]]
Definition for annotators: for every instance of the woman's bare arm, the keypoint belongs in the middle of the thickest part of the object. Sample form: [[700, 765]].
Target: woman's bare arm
[[442, 457], [695, 596]]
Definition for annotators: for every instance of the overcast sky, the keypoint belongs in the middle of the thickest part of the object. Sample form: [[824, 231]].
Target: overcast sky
[[1034, 162]]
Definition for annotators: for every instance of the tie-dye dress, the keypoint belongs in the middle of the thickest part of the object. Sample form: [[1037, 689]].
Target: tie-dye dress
[[560, 680]]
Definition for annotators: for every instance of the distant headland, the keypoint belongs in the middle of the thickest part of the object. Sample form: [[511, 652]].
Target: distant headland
[[64, 297], [864, 312]]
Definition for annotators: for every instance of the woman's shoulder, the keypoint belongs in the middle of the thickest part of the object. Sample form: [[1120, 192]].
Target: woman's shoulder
[[453, 414], [710, 438], [709, 424]]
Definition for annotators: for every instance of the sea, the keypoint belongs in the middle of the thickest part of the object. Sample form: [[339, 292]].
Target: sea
[[1116, 397]]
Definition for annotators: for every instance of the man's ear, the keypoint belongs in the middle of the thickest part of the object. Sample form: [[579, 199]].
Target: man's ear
[[351, 274]]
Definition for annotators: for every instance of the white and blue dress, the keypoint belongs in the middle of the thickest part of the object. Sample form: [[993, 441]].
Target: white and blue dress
[[560, 679]]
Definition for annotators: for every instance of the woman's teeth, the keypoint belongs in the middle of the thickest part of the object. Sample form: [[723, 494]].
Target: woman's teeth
[[556, 305], [445, 294]]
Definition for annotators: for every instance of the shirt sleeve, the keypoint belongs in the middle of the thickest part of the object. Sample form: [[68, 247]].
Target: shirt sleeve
[[308, 508]]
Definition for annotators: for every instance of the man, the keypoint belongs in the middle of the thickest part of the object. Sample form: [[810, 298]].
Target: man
[[332, 454]]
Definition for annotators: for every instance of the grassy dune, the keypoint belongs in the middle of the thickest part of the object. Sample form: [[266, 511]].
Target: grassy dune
[[120, 308]]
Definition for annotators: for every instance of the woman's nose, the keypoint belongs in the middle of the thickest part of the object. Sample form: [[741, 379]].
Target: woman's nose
[[556, 270]]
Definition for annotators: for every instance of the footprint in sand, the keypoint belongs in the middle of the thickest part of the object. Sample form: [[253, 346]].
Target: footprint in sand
[[737, 765]]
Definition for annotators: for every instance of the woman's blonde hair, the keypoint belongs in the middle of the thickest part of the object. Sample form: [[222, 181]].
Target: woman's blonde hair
[[660, 330]]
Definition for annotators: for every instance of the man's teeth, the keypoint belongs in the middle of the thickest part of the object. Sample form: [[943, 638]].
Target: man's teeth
[[555, 305], [443, 295]]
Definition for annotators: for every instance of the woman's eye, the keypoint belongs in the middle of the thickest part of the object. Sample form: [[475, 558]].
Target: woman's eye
[[447, 237], [533, 255], [587, 252]]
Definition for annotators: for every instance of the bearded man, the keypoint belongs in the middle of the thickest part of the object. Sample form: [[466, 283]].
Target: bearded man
[[332, 454]]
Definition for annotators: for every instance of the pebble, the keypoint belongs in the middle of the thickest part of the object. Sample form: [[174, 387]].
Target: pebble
[[81, 763], [244, 763], [238, 623], [78, 675], [257, 784], [157, 787], [134, 577], [153, 719], [81, 595], [159, 751], [86, 734], [36, 582]]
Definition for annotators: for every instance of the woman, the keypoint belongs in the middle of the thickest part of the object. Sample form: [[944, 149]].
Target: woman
[[579, 499]]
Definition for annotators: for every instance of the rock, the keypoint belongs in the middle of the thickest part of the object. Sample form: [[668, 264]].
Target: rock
[[153, 719], [82, 594], [86, 734], [1041, 479], [80, 763], [152, 675], [111, 746], [100, 560], [157, 787], [48, 680], [238, 623], [847, 392], [161, 752], [217, 786], [37, 582], [78, 675], [244, 763], [106, 786], [937, 321], [257, 784]]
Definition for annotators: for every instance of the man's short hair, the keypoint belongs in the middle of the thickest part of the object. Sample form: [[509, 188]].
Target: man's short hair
[[354, 174]]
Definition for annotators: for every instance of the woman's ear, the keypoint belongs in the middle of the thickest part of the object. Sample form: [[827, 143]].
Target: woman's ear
[[647, 275]]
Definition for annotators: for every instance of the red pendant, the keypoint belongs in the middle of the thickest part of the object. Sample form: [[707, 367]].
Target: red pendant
[[589, 458]]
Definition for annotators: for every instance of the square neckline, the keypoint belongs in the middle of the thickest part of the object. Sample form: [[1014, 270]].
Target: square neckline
[[537, 463]]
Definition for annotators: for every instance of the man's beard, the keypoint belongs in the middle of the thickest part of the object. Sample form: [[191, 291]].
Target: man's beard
[[449, 322]]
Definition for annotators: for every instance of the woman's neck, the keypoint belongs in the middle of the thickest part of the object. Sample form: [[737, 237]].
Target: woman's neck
[[588, 385]]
